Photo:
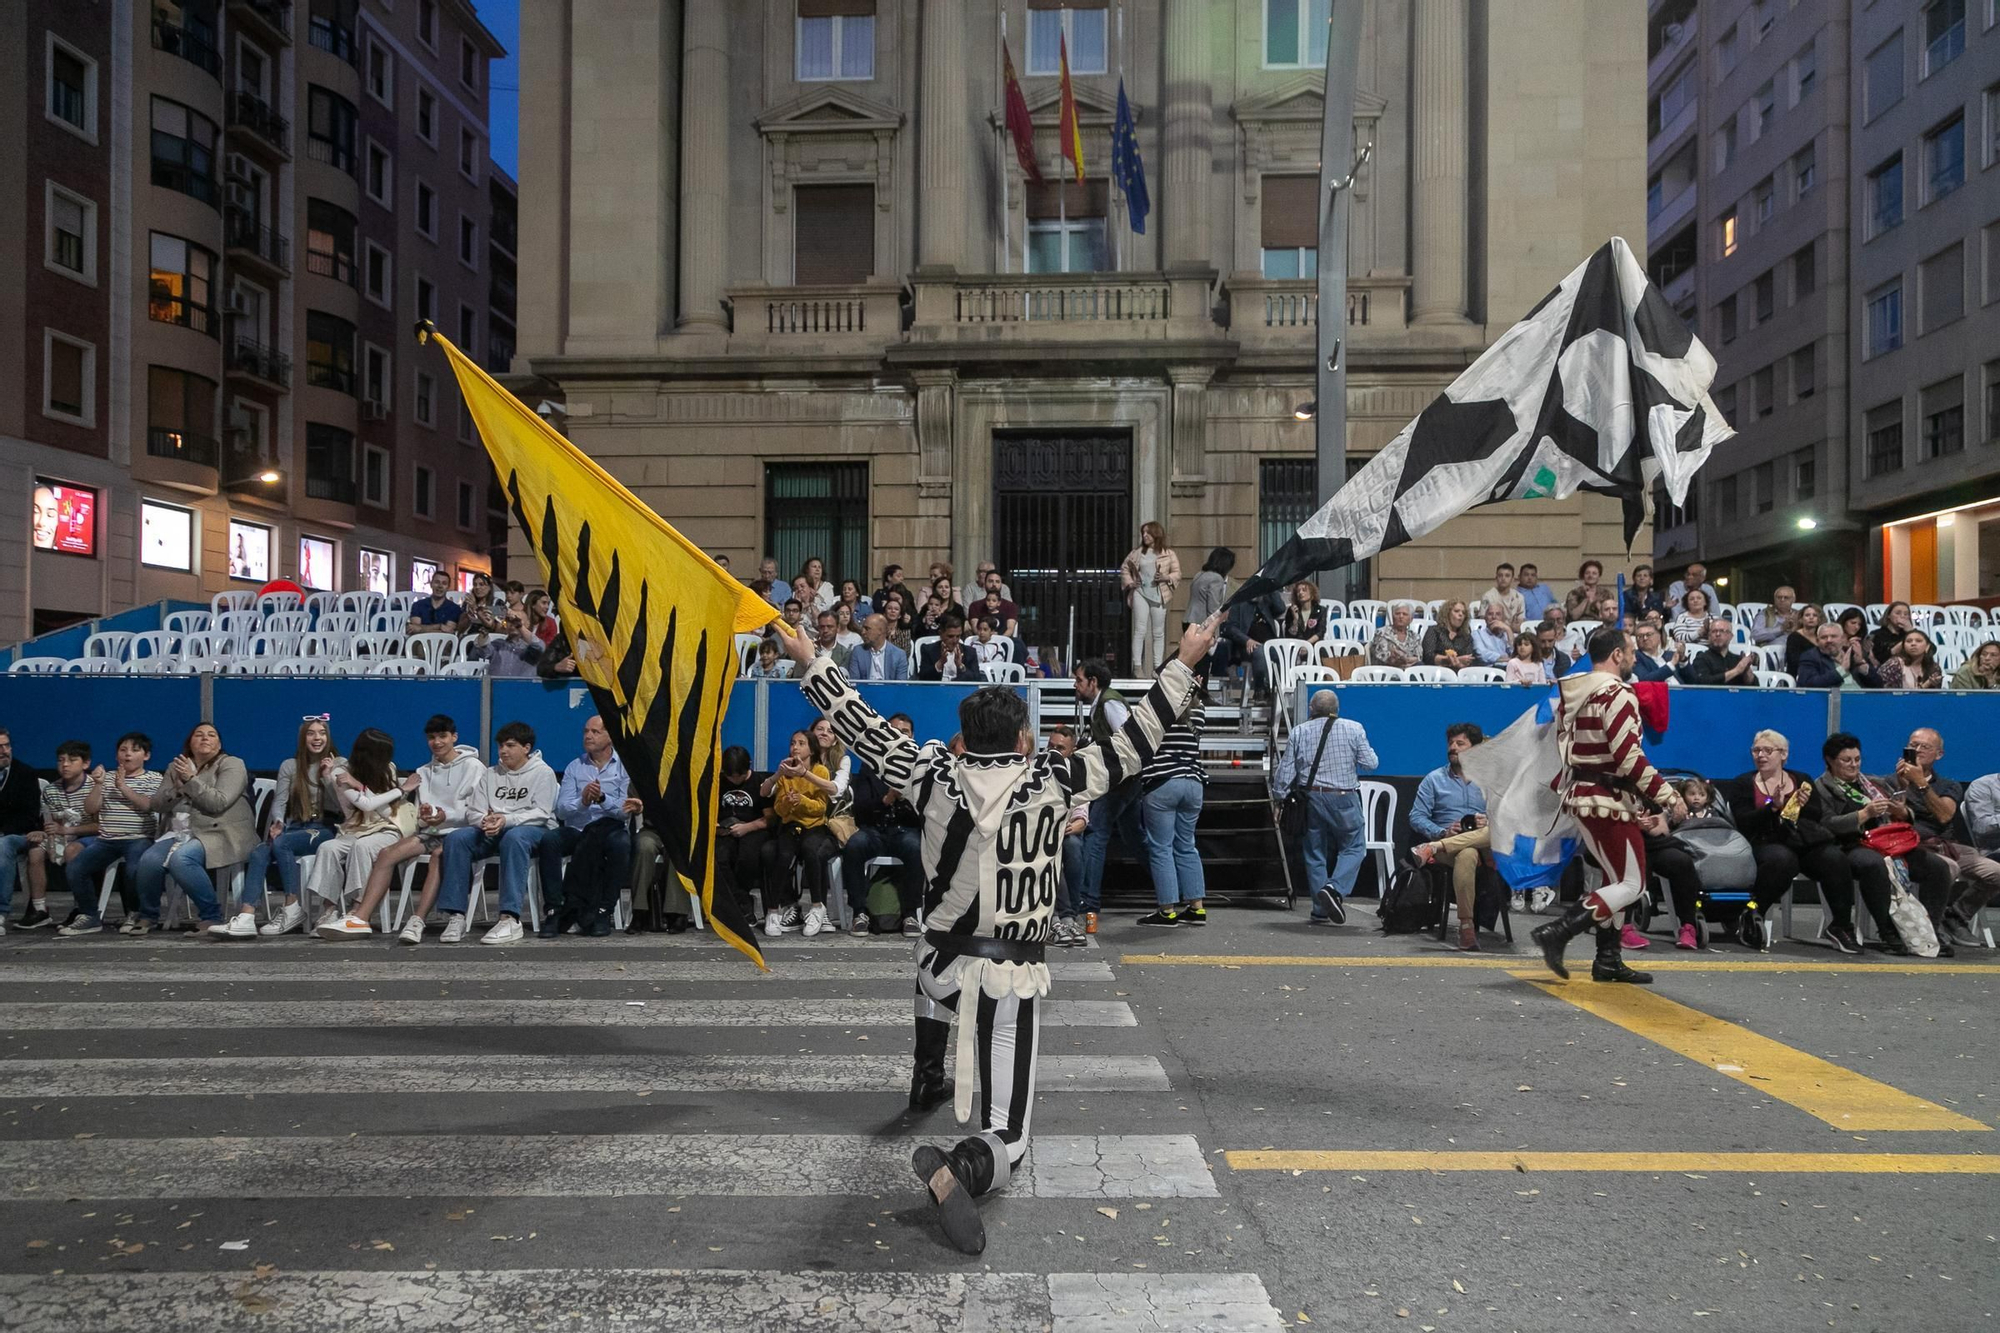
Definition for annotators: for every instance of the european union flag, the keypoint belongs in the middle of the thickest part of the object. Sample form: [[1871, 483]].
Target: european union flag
[[1126, 168]]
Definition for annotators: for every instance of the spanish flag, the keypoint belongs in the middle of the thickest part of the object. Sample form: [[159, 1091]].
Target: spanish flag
[[651, 618], [1068, 131]]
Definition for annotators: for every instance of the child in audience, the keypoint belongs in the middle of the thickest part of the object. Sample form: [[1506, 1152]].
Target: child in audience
[[1526, 667], [988, 649], [800, 794], [516, 811], [64, 824], [449, 797], [371, 796], [768, 666], [121, 804]]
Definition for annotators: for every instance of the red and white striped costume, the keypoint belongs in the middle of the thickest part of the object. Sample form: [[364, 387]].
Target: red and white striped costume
[[1607, 783]]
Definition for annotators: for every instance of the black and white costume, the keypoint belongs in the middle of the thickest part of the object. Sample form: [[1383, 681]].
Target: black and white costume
[[992, 849]]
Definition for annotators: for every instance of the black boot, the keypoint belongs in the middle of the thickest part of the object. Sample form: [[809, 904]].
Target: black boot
[[954, 1180], [1609, 965], [929, 1088], [1555, 935]]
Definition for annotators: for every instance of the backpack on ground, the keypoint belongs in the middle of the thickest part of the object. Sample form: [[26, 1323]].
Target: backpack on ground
[[1408, 905]]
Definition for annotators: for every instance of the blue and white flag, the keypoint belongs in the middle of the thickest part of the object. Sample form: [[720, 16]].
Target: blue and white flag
[[1126, 168], [1533, 836]]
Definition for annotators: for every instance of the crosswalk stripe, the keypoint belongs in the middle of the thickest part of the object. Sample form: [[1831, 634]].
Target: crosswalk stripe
[[757, 1013], [430, 967], [507, 1073], [589, 1165], [662, 1300]]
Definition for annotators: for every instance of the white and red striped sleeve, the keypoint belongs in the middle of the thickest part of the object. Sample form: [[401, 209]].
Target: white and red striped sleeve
[[1619, 737]]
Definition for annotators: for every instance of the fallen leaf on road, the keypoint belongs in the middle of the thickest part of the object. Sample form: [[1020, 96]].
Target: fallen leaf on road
[[1109, 1212], [264, 1270], [38, 1245], [235, 1245], [380, 1245], [83, 1136], [1458, 1286]]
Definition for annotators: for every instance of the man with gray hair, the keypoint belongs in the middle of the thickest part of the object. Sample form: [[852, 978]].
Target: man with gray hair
[[1719, 666], [1327, 756]]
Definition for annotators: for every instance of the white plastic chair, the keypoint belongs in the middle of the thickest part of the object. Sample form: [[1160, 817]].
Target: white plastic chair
[[389, 621], [151, 650], [1314, 675], [185, 622], [1875, 611], [1770, 657], [237, 627], [271, 645], [1951, 659], [432, 649], [1368, 611], [1378, 675], [1749, 611], [746, 652], [297, 666], [1777, 680], [350, 666], [113, 645], [397, 666], [1378, 823], [917, 651], [288, 622], [1835, 610], [1585, 628], [1005, 673], [323, 644], [361, 604], [225, 602], [321, 603], [1429, 675], [1335, 609], [473, 670], [1925, 614], [1348, 634], [375, 645], [1726, 610], [1481, 675], [278, 603], [1967, 617], [39, 666], [1281, 656], [403, 601]]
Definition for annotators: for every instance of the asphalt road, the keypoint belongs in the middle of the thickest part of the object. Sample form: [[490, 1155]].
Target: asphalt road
[[1252, 1125]]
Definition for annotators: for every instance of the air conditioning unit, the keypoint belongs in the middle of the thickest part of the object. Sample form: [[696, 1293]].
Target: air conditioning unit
[[243, 195], [374, 409], [237, 167], [238, 303]]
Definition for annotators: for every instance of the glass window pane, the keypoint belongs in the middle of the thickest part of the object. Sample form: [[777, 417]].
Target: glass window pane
[[1281, 263], [1086, 246], [1045, 249], [857, 46], [1309, 263], [816, 48], [1317, 13], [1086, 41], [1281, 32], [1044, 39]]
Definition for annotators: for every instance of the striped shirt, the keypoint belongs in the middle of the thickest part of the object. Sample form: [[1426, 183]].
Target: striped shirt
[[1348, 755], [117, 820], [1609, 776], [1179, 755]]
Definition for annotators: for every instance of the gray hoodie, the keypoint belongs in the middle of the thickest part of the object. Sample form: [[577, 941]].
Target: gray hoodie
[[527, 796], [453, 786]]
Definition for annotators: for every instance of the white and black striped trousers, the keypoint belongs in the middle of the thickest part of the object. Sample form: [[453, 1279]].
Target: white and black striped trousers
[[1007, 1042]]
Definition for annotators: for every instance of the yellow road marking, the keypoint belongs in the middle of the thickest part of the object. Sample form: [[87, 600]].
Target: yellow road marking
[[1840, 1097], [1503, 961], [1762, 1163]]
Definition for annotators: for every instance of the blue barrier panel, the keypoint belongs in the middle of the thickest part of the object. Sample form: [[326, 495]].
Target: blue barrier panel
[[259, 717], [557, 711], [932, 707], [739, 724], [1969, 722], [41, 712]]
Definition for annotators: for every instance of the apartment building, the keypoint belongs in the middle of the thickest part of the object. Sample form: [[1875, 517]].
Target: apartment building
[[797, 290], [230, 214]]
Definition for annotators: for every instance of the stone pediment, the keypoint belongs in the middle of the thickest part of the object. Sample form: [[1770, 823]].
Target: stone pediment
[[1300, 97], [829, 111], [1093, 107]]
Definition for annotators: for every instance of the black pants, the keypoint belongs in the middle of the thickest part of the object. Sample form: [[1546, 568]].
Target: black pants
[[814, 848], [738, 863], [1670, 861], [872, 840], [1930, 876], [600, 866]]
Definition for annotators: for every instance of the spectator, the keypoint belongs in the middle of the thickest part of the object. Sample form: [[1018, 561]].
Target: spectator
[[794, 615], [984, 576], [1066, 930], [948, 658], [516, 595], [1606, 612], [1888, 636], [64, 824], [876, 658], [776, 590], [1855, 626], [896, 622], [593, 804], [514, 655], [1305, 618], [1781, 812], [1981, 671], [438, 611], [1581, 604], [1911, 665], [1719, 666], [20, 819], [121, 803], [1548, 636], [1982, 813], [885, 825], [1117, 810], [1691, 625], [1803, 636], [450, 795], [1525, 667], [847, 628], [988, 648], [1669, 859], [892, 582], [801, 839], [370, 795], [1448, 803], [1493, 641], [305, 809], [1695, 577], [1642, 598], [200, 802], [1334, 828], [1396, 644], [815, 594], [1448, 643], [1774, 623], [558, 660], [768, 666], [1934, 801], [827, 639], [931, 623], [1536, 597], [1854, 804], [484, 608], [1504, 595], [1210, 588], [1245, 629], [1837, 663], [1655, 660], [859, 607], [1171, 785], [540, 623], [514, 817], [947, 595], [1149, 574], [940, 569], [1006, 616], [743, 817]]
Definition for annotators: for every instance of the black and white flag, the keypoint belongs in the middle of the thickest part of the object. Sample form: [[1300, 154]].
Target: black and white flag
[[1601, 388]]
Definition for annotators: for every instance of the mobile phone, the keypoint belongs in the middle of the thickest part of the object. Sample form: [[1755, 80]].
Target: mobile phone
[[1909, 755]]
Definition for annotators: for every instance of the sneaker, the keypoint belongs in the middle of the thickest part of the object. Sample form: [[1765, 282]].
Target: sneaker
[[861, 924], [774, 924], [504, 931], [1518, 904], [1194, 916], [349, 927], [240, 926], [1330, 906], [816, 920], [83, 925], [412, 931], [599, 927], [1750, 928], [910, 928], [1540, 900], [1844, 939], [328, 918], [288, 919], [1630, 938], [1955, 930], [1090, 923], [1686, 939], [791, 919], [1160, 918], [34, 918], [135, 925], [454, 928]]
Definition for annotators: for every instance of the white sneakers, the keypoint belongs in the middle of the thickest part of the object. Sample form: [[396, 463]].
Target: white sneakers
[[774, 925], [789, 920], [348, 927], [240, 926], [289, 918], [454, 928], [413, 930], [1540, 900], [504, 931], [860, 926], [816, 920]]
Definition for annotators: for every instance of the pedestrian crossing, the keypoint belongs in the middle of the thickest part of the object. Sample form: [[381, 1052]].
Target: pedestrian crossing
[[293, 1135]]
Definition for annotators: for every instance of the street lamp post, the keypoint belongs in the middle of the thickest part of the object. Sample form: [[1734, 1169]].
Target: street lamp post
[[1337, 168]]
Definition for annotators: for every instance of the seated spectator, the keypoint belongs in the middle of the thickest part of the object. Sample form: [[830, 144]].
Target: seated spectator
[[815, 594], [1836, 663], [1695, 577], [1775, 622], [859, 607], [200, 802], [1981, 671], [1607, 612], [826, 639], [121, 803], [1719, 666], [1493, 640], [305, 809], [1888, 636], [558, 660], [1781, 812], [1581, 603], [897, 622], [449, 792], [1536, 597], [876, 658], [1642, 598], [1246, 627], [515, 595], [1448, 803], [930, 624], [1396, 644], [984, 576], [1854, 805], [20, 819], [1671, 861], [1448, 643], [515, 815], [1526, 667], [948, 658], [885, 825], [794, 615], [849, 636], [1655, 660], [1548, 636], [593, 804], [1803, 637], [988, 648], [661, 903], [1934, 801], [1305, 618], [1006, 616], [1855, 626], [513, 654], [64, 825], [438, 611], [742, 824], [941, 588], [768, 666], [541, 623], [1504, 595], [776, 590], [1066, 930], [892, 582], [371, 800], [485, 609], [800, 794], [1911, 665], [1982, 813], [1691, 625]]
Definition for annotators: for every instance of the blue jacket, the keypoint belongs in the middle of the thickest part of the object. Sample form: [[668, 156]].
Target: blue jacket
[[614, 781], [1645, 667], [894, 665], [1442, 801]]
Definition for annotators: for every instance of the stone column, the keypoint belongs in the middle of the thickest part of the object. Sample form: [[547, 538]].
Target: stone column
[[1188, 116], [936, 408], [1189, 426], [704, 164], [1438, 175], [942, 147]]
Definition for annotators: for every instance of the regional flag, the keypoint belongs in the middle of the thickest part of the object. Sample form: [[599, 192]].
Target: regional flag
[[1020, 126], [1068, 130], [1126, 168], [652, 621]]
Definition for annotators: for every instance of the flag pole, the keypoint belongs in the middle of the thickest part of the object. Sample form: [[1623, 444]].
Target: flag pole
[[1337, 166], [1006, 242], [1117, 248]]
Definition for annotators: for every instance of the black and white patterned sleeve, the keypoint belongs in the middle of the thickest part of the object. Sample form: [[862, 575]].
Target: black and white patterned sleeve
[[1095, 769], [883, 748]]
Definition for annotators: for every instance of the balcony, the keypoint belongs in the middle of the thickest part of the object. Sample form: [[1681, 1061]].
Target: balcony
[[333, 264], [163, 307], [272, 17], [505, 234], [1669, 216], [249, 359], [254, 120], [1670, 133], [338, 155], [245, 238], [797, 319], [250, 468], [334, 375], [331, 37], [1270, 314], [183, 446], [1670, 49], [194, 45], [501, 295], [330, 487], [1060, 298]]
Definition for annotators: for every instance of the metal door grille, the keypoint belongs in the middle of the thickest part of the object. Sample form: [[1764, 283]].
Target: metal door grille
[[1062, 521]]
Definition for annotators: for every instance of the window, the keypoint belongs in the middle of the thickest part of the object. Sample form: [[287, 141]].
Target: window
[[1725, 403], [378, 282], [1805, 274], [166, 536], [468, 155], [427, 23], [252, 72], [1763, 110], [180, 416], [1080, 23], [329, 352], [249, 551], [1884, 427], [836, 39], [375, 476], [331, 28], [69, 378], [1294, 34], [1993, 125], [330, 122], [1766, 197], [1725, 144], [834, 234], [379, 175], [377, 379], [1884, 86], [184, 150], [1885, 319], [1805, 475], [423, 485], [330, 241], [1763, 388], [1729, 233], [1944, 34], [1764, 487], [1804, 378], [1885, 196], [426, 404], [1725, 320], [468, 63], [1675, 98], [1805, 170], [468, 328], [464, 422], [1764, 294], [71, 243], [72, 80], [381, 73], [426, 299], [468, 242], [427, 116], [1993, 400], [468, 506], [1728, 51], [1725, 499], [426, 210], [182, 284], [817, 509], [1805, 72], [1762, 15], [329, 463], [1944, 159], [1942, 409], [1290, 226], [1066, 227], [1941, 288]]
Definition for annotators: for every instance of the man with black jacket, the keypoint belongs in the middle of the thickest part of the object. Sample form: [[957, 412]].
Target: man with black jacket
[[949, 658], [886, 825], [20, 820]]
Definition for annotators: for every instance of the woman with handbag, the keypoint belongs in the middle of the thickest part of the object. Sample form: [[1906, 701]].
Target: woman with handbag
[[203, 805], [1781, 812], [1874, 831], [801, 794]]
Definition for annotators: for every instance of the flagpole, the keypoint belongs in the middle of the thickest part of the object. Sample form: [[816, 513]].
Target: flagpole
[[1006, 241], [1337, 166], [1117, 249]]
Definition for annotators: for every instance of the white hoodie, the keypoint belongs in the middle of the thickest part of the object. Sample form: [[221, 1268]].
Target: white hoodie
[[525, 796], [454, 786]]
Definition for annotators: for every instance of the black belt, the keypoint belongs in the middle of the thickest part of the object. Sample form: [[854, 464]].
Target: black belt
[[985, 946]]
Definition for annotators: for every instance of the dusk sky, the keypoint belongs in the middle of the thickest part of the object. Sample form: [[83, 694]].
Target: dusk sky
[[503, 18]]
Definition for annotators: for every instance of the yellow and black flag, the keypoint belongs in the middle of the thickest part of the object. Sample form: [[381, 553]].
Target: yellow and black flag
[[652, 621]]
